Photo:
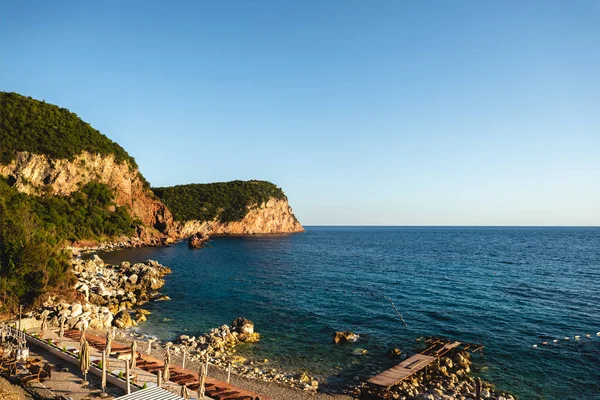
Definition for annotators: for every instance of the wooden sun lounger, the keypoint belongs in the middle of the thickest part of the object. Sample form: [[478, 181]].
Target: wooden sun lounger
[[42, 373]]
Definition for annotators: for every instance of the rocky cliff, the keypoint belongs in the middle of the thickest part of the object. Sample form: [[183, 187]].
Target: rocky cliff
[[39, 174], [273, 216]]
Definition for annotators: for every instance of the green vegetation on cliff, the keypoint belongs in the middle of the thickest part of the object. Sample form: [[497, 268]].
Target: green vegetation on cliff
[[33, 231], [34, 126], [223, 201]]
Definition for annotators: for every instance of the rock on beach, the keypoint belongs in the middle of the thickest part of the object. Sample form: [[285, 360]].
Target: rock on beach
[[107, 294]]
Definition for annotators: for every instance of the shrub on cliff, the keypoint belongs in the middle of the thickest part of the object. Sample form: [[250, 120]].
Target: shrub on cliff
[[86, 214], [31, 125], [223, 201], [30, 257], [34, 229]]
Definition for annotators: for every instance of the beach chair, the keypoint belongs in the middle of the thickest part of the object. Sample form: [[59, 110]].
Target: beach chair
[[40, 374], [8, 366]]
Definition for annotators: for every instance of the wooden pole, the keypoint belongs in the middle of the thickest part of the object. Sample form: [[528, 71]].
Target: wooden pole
[[206, 367], [159, 378], [183, 359], [228, 372], [127, 376], [201, 389], [104, 371], [20, 311], [478, 389]]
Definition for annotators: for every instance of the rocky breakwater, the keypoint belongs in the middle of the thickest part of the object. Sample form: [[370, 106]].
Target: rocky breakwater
[[107, 294], [219, 346], [448, 379]]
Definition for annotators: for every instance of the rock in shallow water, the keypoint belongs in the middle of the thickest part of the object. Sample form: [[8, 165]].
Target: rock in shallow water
[[243, 325], [197, 240], [345, 337]]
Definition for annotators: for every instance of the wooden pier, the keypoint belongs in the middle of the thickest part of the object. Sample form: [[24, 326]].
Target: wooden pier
[[402, 371], [438, 347]]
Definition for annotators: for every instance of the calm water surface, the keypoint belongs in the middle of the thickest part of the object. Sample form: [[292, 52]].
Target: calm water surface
[[508, 288]]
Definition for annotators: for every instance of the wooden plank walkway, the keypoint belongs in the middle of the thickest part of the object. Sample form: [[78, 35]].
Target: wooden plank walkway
[[402, 371], [446, 348]]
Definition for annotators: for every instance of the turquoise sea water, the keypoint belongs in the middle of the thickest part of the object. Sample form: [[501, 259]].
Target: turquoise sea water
[[508, 288]]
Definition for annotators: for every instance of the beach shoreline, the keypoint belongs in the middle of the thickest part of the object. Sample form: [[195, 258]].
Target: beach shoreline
[[248, 374]]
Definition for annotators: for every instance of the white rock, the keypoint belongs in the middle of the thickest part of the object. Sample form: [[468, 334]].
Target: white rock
[[77, 310], [133, 279]]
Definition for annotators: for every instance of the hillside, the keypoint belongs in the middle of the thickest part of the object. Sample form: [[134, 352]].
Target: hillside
[[63, 182], [48, 150], [33, 126], [237, 207]]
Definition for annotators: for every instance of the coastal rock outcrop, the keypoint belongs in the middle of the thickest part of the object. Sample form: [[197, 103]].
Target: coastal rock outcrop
[[274, 216], [198, 240]]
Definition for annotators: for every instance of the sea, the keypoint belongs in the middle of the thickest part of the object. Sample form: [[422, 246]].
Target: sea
[[502, 287]]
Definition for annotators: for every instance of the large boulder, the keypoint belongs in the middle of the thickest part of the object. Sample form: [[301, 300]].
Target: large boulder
[[123, 320], [243, 325], [344, 337], [198, 240], [77, 310]]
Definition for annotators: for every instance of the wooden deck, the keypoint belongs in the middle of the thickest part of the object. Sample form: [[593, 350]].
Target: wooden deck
[[446, 348], [438, 347], [402, 371]]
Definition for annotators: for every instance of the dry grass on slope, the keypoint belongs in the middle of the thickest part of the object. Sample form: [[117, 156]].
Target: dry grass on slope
[[11, 392]]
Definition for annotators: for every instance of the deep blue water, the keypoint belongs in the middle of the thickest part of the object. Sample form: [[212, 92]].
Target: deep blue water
[[508, 288]]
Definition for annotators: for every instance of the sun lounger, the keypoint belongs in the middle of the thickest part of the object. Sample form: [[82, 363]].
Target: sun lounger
[[40, 374]]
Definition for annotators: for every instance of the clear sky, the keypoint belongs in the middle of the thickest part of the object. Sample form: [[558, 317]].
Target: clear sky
[[364, 112]]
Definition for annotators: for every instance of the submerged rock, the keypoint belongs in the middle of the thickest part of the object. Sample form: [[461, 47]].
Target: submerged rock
[[344, 337], [394, 353]]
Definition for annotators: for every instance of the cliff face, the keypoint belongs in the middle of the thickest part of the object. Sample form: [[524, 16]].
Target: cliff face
[[39, 174], [274, 216]]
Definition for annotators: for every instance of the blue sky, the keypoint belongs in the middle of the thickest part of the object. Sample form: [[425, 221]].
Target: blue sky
[[364, 112]]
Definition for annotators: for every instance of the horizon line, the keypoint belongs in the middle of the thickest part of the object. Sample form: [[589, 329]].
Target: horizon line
[[453, 226]]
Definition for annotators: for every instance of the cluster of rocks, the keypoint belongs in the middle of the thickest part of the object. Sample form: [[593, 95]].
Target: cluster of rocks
[[198, 240], [107, 294], [124, 242], [448, 379], [219, 345]]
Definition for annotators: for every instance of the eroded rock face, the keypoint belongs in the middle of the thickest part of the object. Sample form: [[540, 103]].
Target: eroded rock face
[[275, 216], [37, 174]]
